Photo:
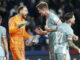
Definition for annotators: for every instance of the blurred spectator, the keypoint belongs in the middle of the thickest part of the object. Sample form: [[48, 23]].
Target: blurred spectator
[[68, 6], [10, 4], [40, 21], [21, 3], [13, 10], [61, 11], [2, 8], [32, 23]]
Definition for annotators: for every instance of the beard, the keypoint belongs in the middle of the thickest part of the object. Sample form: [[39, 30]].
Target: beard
[[24, 16], [73, 24]]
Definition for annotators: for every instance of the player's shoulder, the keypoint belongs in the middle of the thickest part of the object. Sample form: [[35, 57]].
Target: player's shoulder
[[68, 28], [12, 18], [64, 26], [54, 16], [60, 25]]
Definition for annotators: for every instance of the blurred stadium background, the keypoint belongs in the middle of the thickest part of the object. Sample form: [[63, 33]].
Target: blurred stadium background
[[8, 8]]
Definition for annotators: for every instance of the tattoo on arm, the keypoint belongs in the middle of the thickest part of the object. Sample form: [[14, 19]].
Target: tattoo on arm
[[73, 45]]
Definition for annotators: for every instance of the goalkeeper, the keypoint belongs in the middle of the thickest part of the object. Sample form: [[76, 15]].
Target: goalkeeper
[[17, 34]]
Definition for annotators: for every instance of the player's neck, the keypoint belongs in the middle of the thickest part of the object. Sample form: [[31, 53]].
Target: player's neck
[[19, 15], [70, 24], [47, 13]]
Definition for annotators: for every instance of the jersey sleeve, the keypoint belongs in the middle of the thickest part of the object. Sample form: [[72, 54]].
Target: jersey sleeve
[[12, 26], [3, 32], [51, 24], [26, 35], [69, 35], [56, 19]]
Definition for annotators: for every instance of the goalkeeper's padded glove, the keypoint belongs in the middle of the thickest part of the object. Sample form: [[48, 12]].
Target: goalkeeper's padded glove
[[33, 40]]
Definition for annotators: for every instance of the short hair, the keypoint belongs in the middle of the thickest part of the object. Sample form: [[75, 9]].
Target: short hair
[[42, 5], [20, 8], [68, 15]]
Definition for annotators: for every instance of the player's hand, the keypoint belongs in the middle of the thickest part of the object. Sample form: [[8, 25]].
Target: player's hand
[[48, 29], [38, 30], [28, 43], [7, 56], [75, 37]]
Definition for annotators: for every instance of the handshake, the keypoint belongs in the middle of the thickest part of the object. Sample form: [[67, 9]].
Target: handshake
[[33, 40], [23, 24]]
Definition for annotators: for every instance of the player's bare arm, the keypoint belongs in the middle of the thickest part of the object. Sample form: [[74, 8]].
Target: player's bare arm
[[40, 31], [6, 47], [48, 29], [73, 45]]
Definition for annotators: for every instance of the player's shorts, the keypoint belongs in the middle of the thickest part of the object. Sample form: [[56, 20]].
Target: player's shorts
[[18, 53], [2, 58], [60, 56]]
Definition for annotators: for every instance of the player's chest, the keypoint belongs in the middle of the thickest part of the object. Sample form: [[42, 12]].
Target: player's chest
[[18, 22]]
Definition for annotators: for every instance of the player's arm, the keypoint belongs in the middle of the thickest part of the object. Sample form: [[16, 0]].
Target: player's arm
[[26, 35], [23, 24], [12, 26], [40, 31], [6, 47], [44, 33], [70, 42], [52, 27], [73, 45], [5, 44]]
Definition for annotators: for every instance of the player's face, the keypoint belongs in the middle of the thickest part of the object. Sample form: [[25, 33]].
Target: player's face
[[24, 12], [73, 20], [41, 11]]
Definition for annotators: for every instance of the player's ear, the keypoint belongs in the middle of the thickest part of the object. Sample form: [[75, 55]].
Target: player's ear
[[69, 20], [20, 11]]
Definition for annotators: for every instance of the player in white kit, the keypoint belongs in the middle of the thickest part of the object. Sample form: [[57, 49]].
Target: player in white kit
[[64, 38], [52, 21], [3, 43]]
